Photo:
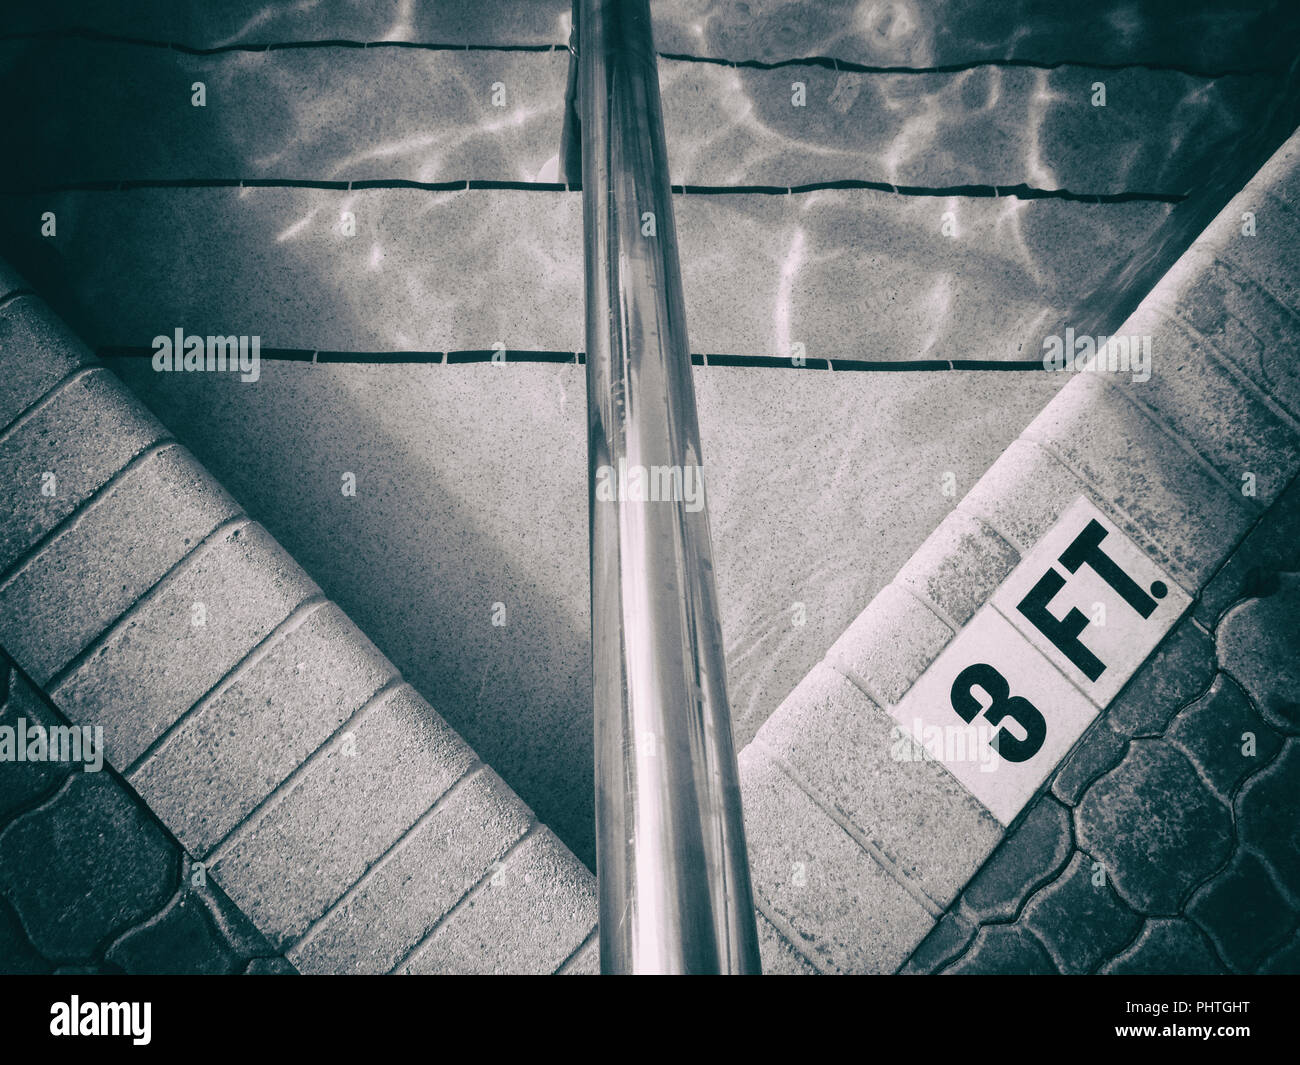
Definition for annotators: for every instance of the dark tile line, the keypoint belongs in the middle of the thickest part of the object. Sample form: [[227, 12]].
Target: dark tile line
[[482, 355], [832, 63], [104, 37], [1021, 192], [827, 62]]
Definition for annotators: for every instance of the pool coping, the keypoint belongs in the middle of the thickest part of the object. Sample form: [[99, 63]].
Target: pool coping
[[857, 851], [360, 773]]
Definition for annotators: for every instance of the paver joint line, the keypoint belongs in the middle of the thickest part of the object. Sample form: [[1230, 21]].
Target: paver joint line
[[533, 829], [870, 849], [222, 846], [788, 933], [78, 516], [40, 404], [297, 617], [198, 551], [1153, 416], [475, 769]]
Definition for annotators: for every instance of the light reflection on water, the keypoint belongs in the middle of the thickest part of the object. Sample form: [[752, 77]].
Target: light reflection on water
[[983, 126]]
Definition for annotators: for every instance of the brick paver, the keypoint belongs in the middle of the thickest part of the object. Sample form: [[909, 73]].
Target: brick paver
[[112, 890]]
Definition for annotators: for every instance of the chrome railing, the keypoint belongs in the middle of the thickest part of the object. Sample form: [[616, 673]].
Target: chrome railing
[[671, 860]]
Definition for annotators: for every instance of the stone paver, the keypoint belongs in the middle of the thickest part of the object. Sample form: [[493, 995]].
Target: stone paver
[[1268, 810], [227, 756], [1099, 751], [36, 350], [1259, 645], [406, 894], [1243, 912], [1004, 950], [1166, 945], [180, 941], [485, 935], [1286, 960], [54, 460], [848, 749], [1034, 852], [1155, 826], [890, 643], [1223, 736], [1181, 669], [1079, 918], [112, 859], [92, 571], [1271, 547], [1193, 823], [180, 641], [89, 878], [848, 913], [350, 804], [959, 566], [26, 783]]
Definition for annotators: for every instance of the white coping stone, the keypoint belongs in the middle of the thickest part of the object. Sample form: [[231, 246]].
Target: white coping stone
[[1112, 637], [1018, 685], [1044, 714]]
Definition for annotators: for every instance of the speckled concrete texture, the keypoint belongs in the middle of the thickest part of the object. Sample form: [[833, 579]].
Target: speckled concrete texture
[[808, 518], [225, 757], [350, 803], [398, 902], [484, 934], [313, 113], [845, 911], [424, 270], [850, 274], [205, 25], [898, 32], [847, 750], [984, 126], [911, 34], [62, 452], [374, 114], [36, 350], [212, 611], [97, 566]]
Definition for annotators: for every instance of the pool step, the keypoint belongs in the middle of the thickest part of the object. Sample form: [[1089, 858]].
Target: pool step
[[896, 34], [846, 274], [386, 114]]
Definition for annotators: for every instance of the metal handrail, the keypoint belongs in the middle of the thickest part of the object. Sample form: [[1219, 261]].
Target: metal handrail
[[673, 872]]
